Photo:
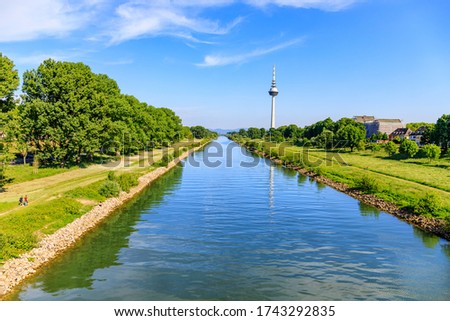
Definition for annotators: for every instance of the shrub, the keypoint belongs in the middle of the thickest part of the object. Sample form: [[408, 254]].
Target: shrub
[[127, 181], [367, 185], [431, 151], [166, 159], [409, 148], [374, 147], [11, 246], [109, 189], [429, 204], [273, 153], [111, 176], [391, 148]]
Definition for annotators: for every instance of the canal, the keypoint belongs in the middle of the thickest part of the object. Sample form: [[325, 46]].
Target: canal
[[233, 226]]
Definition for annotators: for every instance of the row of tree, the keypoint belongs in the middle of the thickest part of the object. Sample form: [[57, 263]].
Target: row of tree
[[348, 133], [67, 112], [323, 134]]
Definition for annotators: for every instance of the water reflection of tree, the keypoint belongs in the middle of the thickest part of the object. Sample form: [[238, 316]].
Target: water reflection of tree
[[302, 179], [368, 210], [446, 249], [287, 172], [100, 249], [320, 186], [429, 240]]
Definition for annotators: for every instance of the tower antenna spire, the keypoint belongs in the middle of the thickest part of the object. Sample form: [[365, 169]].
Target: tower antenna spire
[[273, 92]]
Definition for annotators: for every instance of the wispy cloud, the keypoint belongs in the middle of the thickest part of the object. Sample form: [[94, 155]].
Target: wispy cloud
[[173, 18], [222, 60], [35, 19], [124, 20], [331, 5]]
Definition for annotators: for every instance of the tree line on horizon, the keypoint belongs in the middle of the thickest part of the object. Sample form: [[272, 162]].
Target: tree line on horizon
[[347, 133], [67, 113]]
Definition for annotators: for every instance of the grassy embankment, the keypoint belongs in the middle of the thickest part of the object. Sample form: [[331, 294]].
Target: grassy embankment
[[417, 185], [59, 196]]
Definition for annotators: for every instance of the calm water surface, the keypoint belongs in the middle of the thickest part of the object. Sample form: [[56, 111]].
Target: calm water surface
[[247, 233]]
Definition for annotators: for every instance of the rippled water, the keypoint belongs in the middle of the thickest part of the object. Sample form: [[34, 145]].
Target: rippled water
[[247, 233]]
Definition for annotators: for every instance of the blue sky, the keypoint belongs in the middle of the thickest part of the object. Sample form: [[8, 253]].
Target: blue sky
[[211, 61]]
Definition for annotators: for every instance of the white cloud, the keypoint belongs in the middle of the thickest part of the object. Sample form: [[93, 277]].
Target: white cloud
[[123, 20], [137, 19], [33, 19], [332, 5], [185, 18], [222, 60]]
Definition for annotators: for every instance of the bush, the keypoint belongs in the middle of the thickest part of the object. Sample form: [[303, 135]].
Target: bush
[[429, 204], [431, 151], [409, 148], [368, 185], [374, 147], [127, 181], [166, 159], [111, 176], [11, 246], [109, 189], [391, 148]]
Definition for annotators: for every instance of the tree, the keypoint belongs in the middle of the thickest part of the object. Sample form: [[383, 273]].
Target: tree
[[275, 135], [201, 132], [428, 135], [415, 126], [9, 81], [344, 122], [316, 128], [69, 112], [391, 148], [253, 133], [409, 148], [292, 132], [351, 136], [442, 132], [325, 139], [431, 151]]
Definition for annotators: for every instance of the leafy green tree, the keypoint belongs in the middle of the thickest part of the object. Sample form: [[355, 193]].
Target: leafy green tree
[[9, 82], [70, 112], [325, 139], [275, 135], [262, 132], [428, 135], [409, 148], [63, 103], [415, 126], [431, 151], [351, 135], [253, 133], [442, 132], [344, 122], [318, 127], [391, 148], [201, 132]]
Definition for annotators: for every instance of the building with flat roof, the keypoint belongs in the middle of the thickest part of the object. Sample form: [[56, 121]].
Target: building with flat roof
[[382, 125]]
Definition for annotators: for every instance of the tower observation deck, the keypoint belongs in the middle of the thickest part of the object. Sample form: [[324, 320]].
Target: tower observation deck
[[273, 92]]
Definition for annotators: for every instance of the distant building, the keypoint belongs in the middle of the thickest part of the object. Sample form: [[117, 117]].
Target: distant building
[[417, 135], [375, 126], [402, 133], [364, 119]]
